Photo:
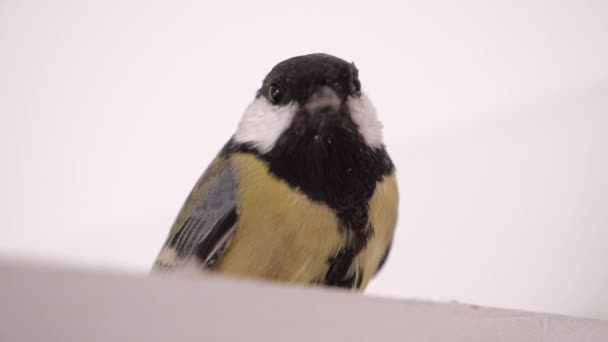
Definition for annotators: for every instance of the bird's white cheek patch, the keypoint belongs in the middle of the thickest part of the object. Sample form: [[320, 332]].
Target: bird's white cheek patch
[[364, 115], [262, 124]]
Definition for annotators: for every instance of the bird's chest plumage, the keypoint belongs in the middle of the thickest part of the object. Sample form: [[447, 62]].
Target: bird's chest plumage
[[282, 234]]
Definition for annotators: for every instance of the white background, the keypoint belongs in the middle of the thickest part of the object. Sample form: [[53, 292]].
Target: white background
[[495, 114]]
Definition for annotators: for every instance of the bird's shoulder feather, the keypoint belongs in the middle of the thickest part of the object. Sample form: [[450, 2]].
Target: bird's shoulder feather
[[206, 222]]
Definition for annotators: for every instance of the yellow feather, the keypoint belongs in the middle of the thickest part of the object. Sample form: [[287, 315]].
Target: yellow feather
[[383, 208], [280, 234]]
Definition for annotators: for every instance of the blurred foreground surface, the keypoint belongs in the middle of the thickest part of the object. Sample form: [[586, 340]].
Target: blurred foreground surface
[[59, 305]]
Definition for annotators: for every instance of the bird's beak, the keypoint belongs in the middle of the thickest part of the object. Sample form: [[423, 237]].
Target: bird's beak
[[323, 101]]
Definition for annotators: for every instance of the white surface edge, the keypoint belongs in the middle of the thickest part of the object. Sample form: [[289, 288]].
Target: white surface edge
[[42, 303]]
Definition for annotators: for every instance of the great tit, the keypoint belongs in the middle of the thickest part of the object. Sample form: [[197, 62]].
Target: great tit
[[304, 192]]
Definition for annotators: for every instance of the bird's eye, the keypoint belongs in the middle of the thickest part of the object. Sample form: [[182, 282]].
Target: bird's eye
[[275, 94]]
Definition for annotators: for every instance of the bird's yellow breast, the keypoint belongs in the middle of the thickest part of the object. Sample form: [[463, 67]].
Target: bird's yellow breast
[[382, 216], [282, 235]]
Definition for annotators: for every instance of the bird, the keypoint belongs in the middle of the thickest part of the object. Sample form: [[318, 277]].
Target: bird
[[303, 193]]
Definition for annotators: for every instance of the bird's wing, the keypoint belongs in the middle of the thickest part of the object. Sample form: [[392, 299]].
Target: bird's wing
[[205, 225]]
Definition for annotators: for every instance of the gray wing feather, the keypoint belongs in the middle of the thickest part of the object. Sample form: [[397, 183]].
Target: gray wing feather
[[219, 201], [206, 222]]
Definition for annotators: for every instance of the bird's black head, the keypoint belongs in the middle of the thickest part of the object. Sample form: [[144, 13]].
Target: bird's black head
[[313, 96], [300, 79], [317, 129]]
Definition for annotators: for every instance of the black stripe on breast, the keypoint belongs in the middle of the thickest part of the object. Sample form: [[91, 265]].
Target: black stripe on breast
[[353, 223], [341, 173]]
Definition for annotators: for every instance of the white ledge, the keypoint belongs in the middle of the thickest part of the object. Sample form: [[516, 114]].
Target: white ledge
[[40, 303]]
